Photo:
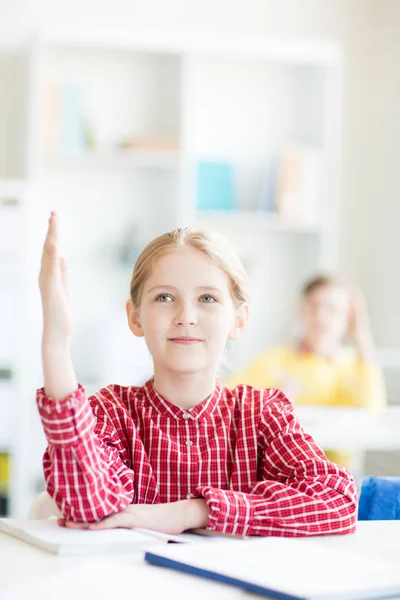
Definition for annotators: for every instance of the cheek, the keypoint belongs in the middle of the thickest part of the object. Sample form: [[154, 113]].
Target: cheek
[[154, 321], [218, 324]]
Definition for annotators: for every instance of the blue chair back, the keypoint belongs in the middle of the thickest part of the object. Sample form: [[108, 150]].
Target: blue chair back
[[379, 499]]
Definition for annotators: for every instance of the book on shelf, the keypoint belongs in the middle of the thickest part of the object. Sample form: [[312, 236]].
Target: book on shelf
[[216, 186], [298, 183], [151, 142], [65, 122], [267, 192], [4, 482]]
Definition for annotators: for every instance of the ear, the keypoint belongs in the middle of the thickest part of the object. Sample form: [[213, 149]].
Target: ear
[[240, 322], [133, 319]]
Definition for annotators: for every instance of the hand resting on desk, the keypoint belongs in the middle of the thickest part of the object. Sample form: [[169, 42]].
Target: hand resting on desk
[[173, 517]]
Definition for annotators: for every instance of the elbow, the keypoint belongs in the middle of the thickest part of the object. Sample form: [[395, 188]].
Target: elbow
[[344, 520], [92, 506]]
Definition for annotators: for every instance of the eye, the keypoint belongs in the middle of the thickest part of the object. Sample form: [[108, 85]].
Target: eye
[[208, 299], [164, 298]]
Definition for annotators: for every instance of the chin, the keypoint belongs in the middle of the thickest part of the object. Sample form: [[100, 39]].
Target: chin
[[186, 366]]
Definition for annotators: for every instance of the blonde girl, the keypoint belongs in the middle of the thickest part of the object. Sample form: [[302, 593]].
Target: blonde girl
[[182, 451]]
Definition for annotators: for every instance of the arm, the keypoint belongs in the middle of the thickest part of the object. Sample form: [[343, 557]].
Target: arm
[[86, 464], [300, 492], [359, 329], [58, 370], [362, 385]]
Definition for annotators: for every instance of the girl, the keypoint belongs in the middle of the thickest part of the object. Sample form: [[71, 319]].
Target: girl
[[182, 451], [317, 369]]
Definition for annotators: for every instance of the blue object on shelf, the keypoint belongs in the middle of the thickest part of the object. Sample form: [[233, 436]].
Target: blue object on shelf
[[216, 189], [269, 187], [380, 499]]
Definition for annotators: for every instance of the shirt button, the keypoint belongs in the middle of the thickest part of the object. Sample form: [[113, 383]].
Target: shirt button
[[189, 443], [189, 496], [186, 415]]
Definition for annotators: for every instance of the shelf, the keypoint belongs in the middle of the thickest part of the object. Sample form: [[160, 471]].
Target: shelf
[[86, 93], [123, 159], [274, 50], [258, 221]]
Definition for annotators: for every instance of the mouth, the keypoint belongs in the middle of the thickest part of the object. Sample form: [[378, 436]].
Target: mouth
[[187, 341]]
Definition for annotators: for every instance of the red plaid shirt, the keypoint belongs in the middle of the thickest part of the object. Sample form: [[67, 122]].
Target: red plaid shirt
[[244, 451]]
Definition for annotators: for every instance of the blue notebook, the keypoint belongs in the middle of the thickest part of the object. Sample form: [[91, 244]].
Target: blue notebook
[[284, 568]]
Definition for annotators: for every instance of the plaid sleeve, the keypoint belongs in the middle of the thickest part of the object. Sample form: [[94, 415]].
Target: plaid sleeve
[[85, 464], [300, 493]]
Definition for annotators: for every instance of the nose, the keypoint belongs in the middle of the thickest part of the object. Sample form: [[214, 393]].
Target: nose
[[186, 314]]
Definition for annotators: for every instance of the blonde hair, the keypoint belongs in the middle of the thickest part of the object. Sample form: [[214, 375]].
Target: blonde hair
[[212, 245]]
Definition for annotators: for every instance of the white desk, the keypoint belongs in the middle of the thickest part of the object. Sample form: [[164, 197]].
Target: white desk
[[29, 573], [352, 429]]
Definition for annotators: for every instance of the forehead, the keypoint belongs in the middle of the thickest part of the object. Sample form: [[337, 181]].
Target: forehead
[[186, 266], [332, 294]]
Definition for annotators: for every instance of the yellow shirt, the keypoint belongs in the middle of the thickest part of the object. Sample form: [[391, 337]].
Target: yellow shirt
[[310, 379]]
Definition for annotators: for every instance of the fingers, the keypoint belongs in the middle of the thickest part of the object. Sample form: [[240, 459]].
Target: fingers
[[125, 518], [107, 523], [52, 231], [120, 519], [50, 248], [70, 524], [73, 525]]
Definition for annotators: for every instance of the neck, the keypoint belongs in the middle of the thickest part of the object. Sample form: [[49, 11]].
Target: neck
[[185, 390], [320, 347]]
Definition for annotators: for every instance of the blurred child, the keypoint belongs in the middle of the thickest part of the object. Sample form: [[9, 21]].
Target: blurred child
[[318, 369], [181, 451]]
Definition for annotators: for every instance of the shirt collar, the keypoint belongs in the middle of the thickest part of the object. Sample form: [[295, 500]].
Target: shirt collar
[[168, 409]]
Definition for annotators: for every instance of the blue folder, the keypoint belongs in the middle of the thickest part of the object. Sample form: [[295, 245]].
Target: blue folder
[[160, 561]]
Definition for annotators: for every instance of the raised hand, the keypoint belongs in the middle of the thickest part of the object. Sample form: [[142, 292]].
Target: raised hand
[[359, 330], [57, 319], [59, 375]]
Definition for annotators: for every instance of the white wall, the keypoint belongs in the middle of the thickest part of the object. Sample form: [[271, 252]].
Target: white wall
[[382, 247], [370, 33], [303, 18]]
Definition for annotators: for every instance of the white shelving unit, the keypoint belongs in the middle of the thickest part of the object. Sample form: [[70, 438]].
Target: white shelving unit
[[115, 127]]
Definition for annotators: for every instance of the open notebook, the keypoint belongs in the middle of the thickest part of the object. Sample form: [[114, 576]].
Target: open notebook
[[285, 568], [47, 535]]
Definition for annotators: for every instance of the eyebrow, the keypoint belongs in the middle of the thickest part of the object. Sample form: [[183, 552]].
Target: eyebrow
[[171, 287]]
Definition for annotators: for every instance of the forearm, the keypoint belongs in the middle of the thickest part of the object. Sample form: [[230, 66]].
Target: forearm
[[86, 474], [273, 508], [364, 345], [196, 514], [59, 374], [90, 488]]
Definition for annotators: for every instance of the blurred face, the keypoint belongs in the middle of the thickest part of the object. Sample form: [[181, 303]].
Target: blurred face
[[324, 314], [186, 312]]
